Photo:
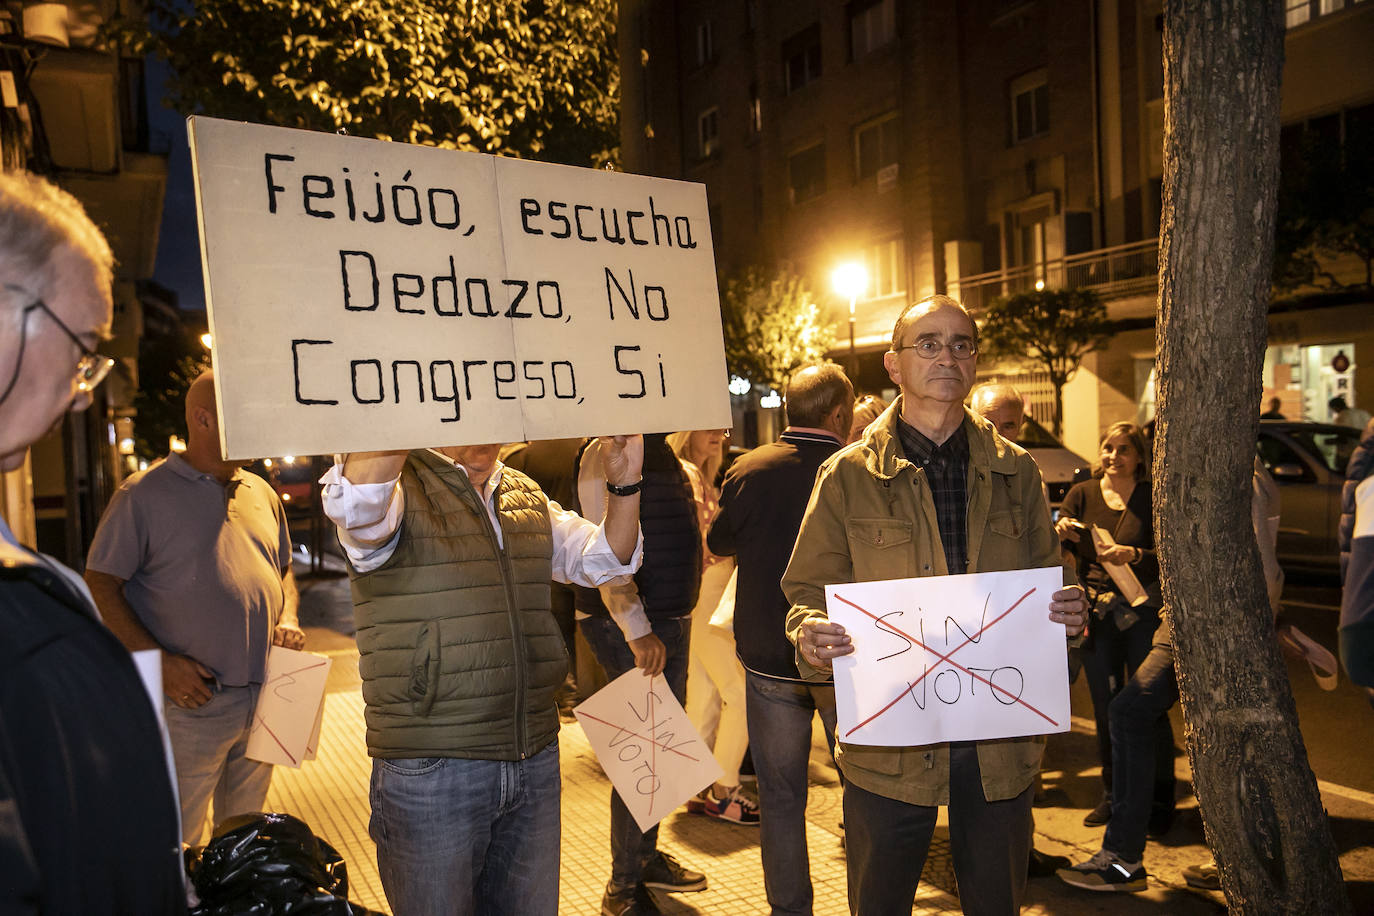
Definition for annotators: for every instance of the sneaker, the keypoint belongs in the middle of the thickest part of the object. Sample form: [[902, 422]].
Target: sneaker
[[697, 803], [1105, 872], [734, 807], [666, 873], [628, 901], [1203, 876], [1099, 815]]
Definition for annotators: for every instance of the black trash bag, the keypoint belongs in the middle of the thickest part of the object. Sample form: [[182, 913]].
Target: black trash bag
[[269, 864]]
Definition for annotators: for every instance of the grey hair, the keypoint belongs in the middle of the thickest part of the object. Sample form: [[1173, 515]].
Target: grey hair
[[926, 305], [37, 219]]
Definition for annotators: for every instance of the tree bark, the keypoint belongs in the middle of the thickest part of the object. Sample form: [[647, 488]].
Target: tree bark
[[1260, 805]]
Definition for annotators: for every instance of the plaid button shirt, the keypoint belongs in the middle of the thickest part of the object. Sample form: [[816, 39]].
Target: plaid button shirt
[[946, 467]]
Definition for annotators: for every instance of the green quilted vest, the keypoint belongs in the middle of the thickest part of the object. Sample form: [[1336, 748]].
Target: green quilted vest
[[460, 655]]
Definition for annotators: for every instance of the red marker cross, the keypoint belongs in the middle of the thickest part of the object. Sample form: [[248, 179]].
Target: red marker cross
[[943, 658]]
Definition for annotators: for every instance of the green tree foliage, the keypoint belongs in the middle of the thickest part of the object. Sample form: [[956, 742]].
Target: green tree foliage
[[1326, 212], [772, 325], [1053, 328], [538, 79]]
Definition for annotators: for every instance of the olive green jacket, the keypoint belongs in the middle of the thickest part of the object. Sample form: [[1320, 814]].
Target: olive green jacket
[[871, 517], [459, 653]]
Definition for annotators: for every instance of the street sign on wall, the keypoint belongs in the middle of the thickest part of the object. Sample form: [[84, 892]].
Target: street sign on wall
[[366, 295]]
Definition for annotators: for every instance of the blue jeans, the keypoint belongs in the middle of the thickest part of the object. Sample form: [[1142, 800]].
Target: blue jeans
[[1135, 715], [459, 836], [631, 848], [208, 746], [887, 843], [779, 714]]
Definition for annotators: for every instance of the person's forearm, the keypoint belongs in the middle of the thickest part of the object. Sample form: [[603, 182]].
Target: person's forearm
[[374, 467], [622, 525], [118, 615], [291, 599]]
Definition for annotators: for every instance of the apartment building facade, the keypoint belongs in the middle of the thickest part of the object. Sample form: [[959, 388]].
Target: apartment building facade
[[973, 147]]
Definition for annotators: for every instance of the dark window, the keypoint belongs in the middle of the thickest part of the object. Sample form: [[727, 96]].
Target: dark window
[[801, 58], [872, 24], [706, 48], [877, 144], [1030, 106], [806, 173]]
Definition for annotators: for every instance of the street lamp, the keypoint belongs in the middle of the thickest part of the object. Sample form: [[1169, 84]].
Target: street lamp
[[850, 279]]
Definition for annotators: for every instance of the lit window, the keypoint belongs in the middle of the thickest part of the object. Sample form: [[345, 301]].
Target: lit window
[[1296, 12], [1030, 106], [877, 144], [708, 132], [886, 269], [801, 58], [706, 48], [806, 173], [872, 24]]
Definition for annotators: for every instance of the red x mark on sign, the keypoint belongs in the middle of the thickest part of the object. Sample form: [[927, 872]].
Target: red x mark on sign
[[942, 658]]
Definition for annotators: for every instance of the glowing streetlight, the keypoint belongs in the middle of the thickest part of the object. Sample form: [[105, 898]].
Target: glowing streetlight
[[206, 340], [850, 279]]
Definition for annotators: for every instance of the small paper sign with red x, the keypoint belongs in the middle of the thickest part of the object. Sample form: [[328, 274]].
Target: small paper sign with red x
[[950, 658]]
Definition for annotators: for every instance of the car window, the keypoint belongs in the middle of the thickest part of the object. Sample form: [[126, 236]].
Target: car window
[[1033, 435], [1273, 452], [1332, 446]]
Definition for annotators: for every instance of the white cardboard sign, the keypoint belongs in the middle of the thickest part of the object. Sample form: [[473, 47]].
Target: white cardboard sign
[[651, 753], [290, 710], [371, 295], [950, 658]]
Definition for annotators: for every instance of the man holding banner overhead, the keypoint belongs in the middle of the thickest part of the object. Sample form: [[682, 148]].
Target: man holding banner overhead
[[930, 490], [451, 555]]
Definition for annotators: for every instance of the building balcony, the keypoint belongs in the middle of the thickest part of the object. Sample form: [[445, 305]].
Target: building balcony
[[1126, 277]]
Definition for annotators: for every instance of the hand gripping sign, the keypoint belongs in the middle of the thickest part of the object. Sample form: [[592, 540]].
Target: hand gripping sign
[[647, 746], [950, 658]]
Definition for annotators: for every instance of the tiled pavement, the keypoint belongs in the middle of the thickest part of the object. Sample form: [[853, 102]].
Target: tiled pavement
[[330, 794]]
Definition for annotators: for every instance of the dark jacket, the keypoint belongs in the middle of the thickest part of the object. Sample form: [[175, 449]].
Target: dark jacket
[[460, 656], [762, 502], [669, 580], [88, 821], [1357, 571]]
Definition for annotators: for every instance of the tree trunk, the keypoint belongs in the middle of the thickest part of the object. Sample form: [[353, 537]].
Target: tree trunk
[[1259, 800]]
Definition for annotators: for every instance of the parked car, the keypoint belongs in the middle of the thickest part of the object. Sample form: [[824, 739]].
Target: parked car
[[1059, 467], [1307, 461]]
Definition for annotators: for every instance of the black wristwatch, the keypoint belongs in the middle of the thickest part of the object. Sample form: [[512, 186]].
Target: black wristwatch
[[629, 489]]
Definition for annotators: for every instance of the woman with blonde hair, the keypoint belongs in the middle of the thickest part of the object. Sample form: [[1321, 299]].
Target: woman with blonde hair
[[866, 409], [715, 677]]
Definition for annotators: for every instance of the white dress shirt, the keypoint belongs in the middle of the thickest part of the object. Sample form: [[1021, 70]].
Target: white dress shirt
[[368, 517]]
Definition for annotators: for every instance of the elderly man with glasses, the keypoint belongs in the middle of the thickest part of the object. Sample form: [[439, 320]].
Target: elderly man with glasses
[[972, 502], [88, 818]]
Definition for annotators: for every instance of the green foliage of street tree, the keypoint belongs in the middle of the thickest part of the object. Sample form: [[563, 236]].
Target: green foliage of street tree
[[1052, 328], [772, 325], [1326, 213], [536, 79]]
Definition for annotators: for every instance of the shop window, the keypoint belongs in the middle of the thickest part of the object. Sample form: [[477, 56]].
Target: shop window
[[801, 58], [1030, 106], [806, 173]]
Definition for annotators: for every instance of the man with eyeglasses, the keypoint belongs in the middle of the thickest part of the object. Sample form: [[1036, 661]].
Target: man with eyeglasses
[[972, 502], [193, 557], [88, 818]]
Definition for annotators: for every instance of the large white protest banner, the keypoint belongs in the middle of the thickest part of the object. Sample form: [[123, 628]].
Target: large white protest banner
[[647, 746], [950, 658], [370, 295]]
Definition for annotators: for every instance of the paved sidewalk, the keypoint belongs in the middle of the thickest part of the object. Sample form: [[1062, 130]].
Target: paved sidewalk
[[330, 794]]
